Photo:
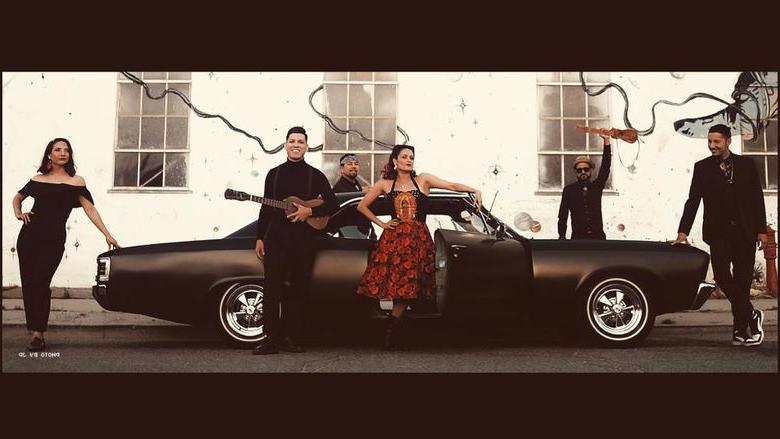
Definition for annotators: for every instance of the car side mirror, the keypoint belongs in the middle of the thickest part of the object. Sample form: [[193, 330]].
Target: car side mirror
[[501, 232]]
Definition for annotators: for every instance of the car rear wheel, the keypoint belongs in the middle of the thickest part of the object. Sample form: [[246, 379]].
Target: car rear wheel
[[618, 313], [241, 315]]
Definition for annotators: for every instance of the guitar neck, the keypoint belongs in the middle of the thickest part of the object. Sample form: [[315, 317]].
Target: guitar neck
[[269, 202], [587, 129]]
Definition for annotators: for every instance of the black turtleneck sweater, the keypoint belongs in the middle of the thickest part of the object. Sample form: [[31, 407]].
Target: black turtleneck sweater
[[583, 199], [293, 180]]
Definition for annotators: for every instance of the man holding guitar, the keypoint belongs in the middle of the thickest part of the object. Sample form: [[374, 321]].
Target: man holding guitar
[[285, 241], [583, 197]]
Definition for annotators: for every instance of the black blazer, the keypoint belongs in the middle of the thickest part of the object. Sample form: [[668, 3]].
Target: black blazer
[[709, 183]]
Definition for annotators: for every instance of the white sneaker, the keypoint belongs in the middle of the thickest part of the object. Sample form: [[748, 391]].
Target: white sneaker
[[753, 340], [756, 327], [739, 337]]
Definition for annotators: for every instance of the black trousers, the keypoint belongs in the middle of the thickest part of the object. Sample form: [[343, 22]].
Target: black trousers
[[727, 250], [288, 261], [38, 260]]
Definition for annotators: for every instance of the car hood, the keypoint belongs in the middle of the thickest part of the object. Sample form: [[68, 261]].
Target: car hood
[[210, 244]]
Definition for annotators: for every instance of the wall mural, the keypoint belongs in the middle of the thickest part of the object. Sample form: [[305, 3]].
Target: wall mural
[[754, 95], [755, 101], [257, 139]]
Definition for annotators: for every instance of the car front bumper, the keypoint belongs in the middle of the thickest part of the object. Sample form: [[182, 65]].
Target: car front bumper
[[100, 293]]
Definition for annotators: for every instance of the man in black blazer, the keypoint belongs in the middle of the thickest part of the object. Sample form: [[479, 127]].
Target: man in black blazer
[[734, 220]]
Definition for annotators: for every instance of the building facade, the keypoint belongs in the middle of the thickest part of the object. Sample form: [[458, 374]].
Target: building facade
[[158, 170]]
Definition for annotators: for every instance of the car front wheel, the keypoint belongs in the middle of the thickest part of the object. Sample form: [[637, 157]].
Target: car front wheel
[[241, 315], [618, 313]]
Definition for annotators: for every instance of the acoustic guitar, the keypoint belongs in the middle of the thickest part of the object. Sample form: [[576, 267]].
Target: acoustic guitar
[[317, 223]]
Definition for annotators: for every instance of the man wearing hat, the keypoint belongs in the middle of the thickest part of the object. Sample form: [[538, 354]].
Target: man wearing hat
[[349, 167], [583, 198], [734, 221]]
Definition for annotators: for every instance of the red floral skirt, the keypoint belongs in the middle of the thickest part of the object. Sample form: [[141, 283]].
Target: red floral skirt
[[402, 265]]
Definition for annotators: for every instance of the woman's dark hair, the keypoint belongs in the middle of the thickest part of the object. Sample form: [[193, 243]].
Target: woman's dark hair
[[70, 167], [389, 172]]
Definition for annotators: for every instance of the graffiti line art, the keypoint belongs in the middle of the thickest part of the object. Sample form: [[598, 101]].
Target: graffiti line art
[[202, 114], [335, 128], [755, 102], [257, 139], [755, 97]]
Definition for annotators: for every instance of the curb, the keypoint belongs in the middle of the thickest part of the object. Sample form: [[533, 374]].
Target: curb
[[88, 313]]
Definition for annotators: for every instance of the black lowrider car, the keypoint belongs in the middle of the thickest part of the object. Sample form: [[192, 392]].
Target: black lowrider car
[[611, 290]]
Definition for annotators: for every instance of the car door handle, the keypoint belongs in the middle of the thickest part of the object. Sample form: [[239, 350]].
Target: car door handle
[[456, 248]]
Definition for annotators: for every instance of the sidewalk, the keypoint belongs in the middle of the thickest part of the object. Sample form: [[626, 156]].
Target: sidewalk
[[87, 312]]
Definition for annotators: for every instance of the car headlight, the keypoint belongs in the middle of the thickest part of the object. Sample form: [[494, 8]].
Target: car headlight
[[104, 268]]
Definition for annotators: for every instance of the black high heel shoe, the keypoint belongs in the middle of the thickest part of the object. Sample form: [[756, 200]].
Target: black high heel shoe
[[36, 345]]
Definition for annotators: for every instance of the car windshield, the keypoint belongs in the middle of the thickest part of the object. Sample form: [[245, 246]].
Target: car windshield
[[443, 212]]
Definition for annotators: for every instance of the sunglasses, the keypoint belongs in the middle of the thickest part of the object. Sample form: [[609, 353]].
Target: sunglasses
[[581, 170]]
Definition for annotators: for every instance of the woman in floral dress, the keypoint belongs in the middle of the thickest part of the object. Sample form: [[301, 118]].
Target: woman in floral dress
[[402, 266]]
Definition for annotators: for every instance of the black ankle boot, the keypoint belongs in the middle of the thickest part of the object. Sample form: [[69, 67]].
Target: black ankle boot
[[391, 333], [402, 334], [288, 344], [37, 345]]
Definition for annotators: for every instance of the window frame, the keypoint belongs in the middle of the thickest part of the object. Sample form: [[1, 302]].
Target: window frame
[[162, 150], [765, 154], [607, 117], [376, 150]]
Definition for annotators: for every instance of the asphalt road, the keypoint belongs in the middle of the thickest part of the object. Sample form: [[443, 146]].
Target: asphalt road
[[185, 349]]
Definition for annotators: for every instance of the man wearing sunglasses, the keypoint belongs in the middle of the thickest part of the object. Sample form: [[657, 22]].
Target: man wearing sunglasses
[[583, 198]]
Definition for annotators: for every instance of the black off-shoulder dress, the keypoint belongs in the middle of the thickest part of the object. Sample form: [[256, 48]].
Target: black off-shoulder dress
[[41, 244]]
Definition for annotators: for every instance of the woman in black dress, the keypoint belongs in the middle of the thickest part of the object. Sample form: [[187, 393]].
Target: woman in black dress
[[56, 190], [402, 266]]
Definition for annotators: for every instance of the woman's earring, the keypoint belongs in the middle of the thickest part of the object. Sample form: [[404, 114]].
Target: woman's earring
[[48, 165]]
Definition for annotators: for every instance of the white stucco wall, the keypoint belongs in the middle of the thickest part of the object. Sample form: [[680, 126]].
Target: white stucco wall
[[497, 126]]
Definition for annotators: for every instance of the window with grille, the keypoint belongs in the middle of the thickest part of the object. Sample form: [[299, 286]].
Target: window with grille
[[152, 135], [763, 151], [562, 105], [366, 102]]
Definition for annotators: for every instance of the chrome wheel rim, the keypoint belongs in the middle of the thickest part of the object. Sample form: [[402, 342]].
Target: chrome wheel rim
[[617, 309], [242, 312]]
